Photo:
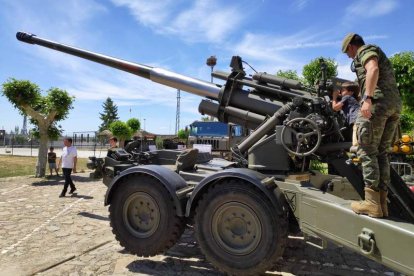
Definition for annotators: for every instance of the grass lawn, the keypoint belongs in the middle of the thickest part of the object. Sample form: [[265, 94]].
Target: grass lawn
[[26, 165]]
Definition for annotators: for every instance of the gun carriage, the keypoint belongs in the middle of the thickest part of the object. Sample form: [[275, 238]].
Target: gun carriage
[[242, 211]]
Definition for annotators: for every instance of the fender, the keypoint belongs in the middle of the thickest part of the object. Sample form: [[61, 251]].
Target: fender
[[247, 175], [171, 181]]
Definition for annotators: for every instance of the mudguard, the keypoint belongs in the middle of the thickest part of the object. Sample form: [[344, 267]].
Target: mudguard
[[247, 175], [171, 181]]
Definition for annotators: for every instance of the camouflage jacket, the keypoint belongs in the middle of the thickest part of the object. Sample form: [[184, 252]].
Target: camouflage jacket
[[387, 86]]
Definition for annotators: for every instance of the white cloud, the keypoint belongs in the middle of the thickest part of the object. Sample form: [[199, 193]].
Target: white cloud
[[149, 13], [345, 72], [278, 52], [299, 5], [370, 8], [204, 21]]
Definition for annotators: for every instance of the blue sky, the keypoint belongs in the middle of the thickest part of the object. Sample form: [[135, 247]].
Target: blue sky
[[180, 35]]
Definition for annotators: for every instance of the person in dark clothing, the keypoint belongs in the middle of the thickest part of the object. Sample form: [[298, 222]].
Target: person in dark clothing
[[349, 106], [51, 159], [112, 146]]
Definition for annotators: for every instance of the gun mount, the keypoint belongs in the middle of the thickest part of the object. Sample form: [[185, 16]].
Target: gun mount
[[242, 211]]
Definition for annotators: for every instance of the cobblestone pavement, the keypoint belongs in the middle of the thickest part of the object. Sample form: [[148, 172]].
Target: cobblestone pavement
[[43, 234]]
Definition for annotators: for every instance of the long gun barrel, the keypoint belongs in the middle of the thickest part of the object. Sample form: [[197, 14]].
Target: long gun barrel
[[159, 75], [266, 94]]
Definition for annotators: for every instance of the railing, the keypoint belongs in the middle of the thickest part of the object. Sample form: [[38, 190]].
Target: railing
[[402, 168]]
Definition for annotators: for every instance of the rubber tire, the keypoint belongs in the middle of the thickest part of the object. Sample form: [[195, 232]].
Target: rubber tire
[[161, 236], [273, 234]]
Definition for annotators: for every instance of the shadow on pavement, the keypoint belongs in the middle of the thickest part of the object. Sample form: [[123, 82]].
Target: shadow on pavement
[[58, 180], [81, 178], [170, 265], [90, 215], [80, 196], [49, 182]]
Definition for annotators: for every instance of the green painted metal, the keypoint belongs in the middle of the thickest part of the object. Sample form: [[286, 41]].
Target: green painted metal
[[329, 217]]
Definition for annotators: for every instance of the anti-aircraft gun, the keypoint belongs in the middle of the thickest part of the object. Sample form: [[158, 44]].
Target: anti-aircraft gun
[[243, 211]]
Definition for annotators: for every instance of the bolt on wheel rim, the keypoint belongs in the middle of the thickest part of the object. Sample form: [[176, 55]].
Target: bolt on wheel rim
[[141, 214], [236, 228]]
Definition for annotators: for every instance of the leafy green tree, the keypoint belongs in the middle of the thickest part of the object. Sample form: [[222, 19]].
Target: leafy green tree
[[44, 111], [183, 133], [134, 124], [312, 71], [407, 121], [109, 114], [207, 118], [403, 64], [159, 142], [54, 131], [289, 74], [121, 130], [20, 139]]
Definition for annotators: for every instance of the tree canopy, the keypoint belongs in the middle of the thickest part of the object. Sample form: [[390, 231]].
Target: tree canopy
[[289, 74], [109, 114], [121, 130], [183, 133], [134, 124], [312, 71], [44, 111], [403, 64]]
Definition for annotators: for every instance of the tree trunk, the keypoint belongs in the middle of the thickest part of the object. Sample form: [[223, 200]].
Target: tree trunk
[[42, 156]]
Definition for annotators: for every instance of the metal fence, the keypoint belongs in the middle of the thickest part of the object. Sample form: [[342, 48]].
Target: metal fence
[[84, 141]]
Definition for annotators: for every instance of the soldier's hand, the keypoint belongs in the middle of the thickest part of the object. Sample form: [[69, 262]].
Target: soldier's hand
[[366, 109]]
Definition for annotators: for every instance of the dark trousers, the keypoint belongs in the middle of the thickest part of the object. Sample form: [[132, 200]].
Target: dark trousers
[[68, 180]]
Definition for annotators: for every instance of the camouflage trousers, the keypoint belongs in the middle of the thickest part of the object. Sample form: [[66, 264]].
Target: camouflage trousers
[[375, 138]]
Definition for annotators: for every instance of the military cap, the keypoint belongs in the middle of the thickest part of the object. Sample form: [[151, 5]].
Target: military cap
[[346, 41]]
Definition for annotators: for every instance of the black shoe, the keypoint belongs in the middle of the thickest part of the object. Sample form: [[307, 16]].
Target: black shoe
[[62, 195], [72, 191]]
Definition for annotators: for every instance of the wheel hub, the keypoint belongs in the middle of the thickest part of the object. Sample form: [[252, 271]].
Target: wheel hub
[[236, 228], [141, 214]]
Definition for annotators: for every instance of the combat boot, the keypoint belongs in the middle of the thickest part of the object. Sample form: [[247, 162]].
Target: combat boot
[[371, 206], [384, 205]]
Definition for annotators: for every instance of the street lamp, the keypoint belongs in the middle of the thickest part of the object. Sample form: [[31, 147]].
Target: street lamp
[[212, 61], [144, 123]]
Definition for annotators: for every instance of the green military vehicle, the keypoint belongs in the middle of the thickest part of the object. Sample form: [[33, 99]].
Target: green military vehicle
[[243, 211]]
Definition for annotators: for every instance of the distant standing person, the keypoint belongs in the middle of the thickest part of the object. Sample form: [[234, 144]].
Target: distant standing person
[[68, 163], [51, 159]]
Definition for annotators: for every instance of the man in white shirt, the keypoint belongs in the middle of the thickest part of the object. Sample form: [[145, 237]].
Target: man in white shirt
[[68, 163]]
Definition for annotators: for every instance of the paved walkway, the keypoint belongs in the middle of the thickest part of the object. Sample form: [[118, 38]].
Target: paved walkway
[[43, 234]]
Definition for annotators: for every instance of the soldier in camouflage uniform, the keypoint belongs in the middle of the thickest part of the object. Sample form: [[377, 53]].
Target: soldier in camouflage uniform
[[376, 123]]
